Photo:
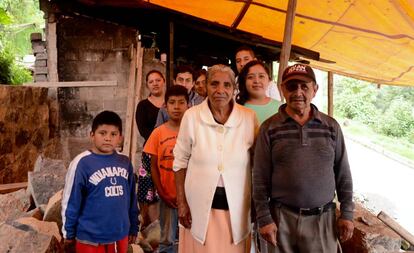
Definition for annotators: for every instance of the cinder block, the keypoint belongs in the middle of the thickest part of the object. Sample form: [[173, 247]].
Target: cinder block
[[41, 56], [92, 56], [71, 56], [96, 105], [35, 37], [38, 48], [40, 78], [40, 63], [41, 70]]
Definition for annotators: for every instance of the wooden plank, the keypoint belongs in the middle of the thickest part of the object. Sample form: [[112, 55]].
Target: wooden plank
[[6, 188], [72, 84], [330, 93], [52, 49], [130, 103], [396, 227], [287, 42], [170, 70], [137, 98]]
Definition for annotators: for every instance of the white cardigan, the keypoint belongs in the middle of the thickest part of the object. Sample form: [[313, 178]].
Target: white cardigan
[[208, 150]]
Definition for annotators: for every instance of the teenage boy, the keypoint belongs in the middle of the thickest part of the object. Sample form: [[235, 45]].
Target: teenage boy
[[160, 146], [184, 76], [99, 204]]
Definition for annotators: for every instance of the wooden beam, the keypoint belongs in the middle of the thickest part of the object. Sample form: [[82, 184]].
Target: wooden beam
[[330, 93], [396, 227], [130, 102], [170, 70], [137, 98], [241, 14], [51, 48], [287, 41], [72, 84], [6, 188]]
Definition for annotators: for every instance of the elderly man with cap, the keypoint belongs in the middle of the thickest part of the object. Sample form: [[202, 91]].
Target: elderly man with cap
[[300, 161]]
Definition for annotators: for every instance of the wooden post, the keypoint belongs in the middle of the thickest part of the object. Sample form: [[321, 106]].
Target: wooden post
[[330, 93], [137, 98], [287, 42], [51, 48], [396, 227], [170, 71], [130, 106]]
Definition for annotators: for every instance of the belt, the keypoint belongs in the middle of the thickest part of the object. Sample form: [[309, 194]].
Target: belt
[[307, 211]]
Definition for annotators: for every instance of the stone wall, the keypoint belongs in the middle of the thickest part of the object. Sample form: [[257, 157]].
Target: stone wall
[[90, 50], [24, 130]]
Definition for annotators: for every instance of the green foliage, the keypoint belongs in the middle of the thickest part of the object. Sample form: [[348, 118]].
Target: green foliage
[[355, 100], [26, 18], [18, 19], [6, 61], [398, 119], [10, 72], [4, 17], [387, 110]]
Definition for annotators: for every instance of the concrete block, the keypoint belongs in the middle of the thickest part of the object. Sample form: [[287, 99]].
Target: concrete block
[[103, 77], [95, 105], [41, 56], [40, 63], [40, 78], [71, 56], [38, 49], [40, 70], [92, 56], [115, 105], [35, 37]]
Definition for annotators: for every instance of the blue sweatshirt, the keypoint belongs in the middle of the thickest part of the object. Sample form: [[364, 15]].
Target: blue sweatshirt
[[99, 203]]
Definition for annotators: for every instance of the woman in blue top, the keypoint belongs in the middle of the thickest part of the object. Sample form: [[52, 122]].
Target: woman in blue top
[[253, 83]]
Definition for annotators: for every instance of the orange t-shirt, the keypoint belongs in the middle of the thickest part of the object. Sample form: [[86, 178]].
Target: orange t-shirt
[[161, 143]]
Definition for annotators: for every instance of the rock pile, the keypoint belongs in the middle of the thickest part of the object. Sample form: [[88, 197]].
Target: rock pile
[[30, 220]]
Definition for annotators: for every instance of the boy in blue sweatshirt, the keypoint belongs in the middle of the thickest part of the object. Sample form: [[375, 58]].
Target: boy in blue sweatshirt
[[99, 204]]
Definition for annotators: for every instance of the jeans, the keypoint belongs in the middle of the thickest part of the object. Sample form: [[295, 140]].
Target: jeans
[[169, 229]]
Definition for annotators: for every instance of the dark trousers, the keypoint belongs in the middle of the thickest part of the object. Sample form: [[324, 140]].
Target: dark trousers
[[303, 234]]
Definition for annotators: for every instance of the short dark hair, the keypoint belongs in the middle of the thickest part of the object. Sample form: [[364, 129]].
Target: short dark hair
[[152, 72], [107, 118], [177, 90], [199, 73], [245, 48], [243, 95], [184, 69]]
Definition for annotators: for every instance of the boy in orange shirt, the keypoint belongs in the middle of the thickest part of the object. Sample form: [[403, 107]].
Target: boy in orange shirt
[[160, 146]]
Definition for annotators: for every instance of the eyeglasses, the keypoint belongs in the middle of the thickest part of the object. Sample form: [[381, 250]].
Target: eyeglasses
[[295, 84]]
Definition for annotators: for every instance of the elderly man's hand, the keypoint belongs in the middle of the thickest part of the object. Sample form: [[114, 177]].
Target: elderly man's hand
[[268, 233], [345, 229]]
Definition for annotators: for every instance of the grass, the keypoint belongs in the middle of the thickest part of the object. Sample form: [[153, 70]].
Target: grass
[[363, 133]]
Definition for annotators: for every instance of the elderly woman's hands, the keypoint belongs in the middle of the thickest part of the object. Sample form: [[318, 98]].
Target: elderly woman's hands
[[184, 214]]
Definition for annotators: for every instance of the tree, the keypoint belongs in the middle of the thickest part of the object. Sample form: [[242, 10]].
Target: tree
[[18, 19]]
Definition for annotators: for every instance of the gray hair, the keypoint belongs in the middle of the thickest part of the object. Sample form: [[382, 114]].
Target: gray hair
[[221, 68]]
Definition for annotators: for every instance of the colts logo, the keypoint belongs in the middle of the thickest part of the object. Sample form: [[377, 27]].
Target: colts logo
[[297, 68]]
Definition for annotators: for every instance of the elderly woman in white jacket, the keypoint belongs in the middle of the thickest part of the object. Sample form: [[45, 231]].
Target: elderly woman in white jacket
[[213, 170]]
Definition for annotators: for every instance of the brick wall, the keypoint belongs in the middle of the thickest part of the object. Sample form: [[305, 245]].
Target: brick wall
[[24, 130], [90, 50]]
